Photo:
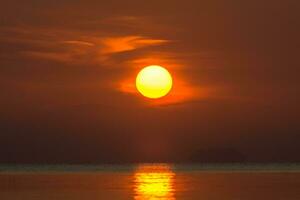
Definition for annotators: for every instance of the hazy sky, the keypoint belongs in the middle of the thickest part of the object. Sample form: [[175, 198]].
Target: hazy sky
[[67, 73]]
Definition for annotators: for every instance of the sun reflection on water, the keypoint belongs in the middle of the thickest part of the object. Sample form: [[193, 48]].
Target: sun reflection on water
[[153, 182]]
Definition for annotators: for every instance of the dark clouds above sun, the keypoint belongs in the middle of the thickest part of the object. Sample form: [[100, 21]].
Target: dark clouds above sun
[[67, 75]]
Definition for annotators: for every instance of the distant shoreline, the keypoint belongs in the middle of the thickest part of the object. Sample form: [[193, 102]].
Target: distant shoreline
[[224, 167]]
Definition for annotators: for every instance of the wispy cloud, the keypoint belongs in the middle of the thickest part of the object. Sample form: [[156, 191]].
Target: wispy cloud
[[70, 46], [127, 43], [77, 42]]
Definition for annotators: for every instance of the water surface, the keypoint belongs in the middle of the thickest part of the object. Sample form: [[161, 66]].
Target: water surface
[[149, 182]]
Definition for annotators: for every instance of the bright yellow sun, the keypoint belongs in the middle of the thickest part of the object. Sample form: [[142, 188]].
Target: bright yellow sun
[[154, 82]]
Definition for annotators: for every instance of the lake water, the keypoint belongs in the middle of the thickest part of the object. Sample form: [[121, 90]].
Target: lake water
[[148, 182]]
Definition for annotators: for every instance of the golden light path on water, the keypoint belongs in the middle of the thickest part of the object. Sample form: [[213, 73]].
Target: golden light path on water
[[154, 182]]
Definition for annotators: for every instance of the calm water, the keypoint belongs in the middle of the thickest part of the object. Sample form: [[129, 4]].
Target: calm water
[[147, 182]]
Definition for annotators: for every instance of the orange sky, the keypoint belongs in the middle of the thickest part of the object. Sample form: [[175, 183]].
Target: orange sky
[[67, 73]]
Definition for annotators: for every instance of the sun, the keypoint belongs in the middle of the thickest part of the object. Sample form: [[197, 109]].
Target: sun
[[154, 82]]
